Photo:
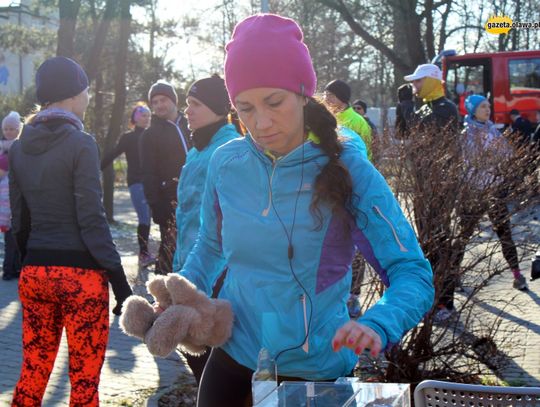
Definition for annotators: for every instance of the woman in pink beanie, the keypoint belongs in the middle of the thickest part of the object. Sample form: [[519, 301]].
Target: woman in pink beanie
[[287, 206]]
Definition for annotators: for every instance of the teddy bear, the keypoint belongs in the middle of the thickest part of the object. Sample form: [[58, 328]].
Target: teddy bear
[[182, 316]]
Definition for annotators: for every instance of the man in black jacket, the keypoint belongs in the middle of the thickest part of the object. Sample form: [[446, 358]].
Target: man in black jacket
[[521, 127], [435, 125], [437, 111], [164, 147]]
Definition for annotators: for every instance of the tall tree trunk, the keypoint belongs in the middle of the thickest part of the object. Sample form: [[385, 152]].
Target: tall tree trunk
[[400, 48], [98, 119], [68, 11], [153, 28], [430, 37], [92, 62], [515, 32], [99, 114], [117, 114]]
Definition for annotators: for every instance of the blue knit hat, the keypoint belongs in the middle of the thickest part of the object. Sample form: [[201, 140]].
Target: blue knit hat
[[472, 102], [59, 78]]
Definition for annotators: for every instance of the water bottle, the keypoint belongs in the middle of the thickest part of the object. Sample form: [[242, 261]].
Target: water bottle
[[264, 380], [535, 267]]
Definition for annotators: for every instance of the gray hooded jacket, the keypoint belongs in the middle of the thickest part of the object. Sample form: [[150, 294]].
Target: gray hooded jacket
[[55, 192]]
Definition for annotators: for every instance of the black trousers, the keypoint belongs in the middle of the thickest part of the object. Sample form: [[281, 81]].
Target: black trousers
[[167, 246], [226, 383], [499, 216], [197, 363]]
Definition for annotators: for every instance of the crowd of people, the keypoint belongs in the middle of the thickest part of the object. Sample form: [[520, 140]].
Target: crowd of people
[[267, 214]]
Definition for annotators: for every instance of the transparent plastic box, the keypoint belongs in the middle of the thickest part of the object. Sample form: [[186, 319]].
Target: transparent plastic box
[[344, 392]]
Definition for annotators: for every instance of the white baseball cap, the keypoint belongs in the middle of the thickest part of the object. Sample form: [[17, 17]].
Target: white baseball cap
[[423, 71]]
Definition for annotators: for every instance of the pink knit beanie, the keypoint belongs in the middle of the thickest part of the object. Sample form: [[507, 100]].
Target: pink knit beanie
[[267, 51]]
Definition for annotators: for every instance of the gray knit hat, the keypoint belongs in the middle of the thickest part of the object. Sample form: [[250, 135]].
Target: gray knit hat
[[164, 88]]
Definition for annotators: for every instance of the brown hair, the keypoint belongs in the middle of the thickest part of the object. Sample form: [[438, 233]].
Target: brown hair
[[28, 119], [333, 185]]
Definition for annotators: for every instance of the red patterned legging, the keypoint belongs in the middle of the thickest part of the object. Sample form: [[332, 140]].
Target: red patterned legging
[[53, 298]]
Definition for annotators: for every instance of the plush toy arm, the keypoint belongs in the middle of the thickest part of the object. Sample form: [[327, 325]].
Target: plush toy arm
[[169, 329], [157, 288], [137, 316], [223, 322]]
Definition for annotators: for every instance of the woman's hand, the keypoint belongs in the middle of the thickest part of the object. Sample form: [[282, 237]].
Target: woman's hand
[[357, 337]]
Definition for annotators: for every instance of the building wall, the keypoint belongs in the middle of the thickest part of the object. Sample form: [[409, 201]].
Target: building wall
[[17, 70]]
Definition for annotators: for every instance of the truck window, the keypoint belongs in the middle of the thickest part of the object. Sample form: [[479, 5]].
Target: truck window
[[524, 76], [463, 79]]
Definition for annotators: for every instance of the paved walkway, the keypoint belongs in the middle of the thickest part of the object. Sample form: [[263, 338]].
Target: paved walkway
[[130, 373], [518, 312]]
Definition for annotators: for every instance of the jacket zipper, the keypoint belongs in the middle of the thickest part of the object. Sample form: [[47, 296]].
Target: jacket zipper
[[180, 134], [305, 346], [396, 237], [274, 165]]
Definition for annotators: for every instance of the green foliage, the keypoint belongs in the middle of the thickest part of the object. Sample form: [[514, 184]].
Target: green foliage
[[23, 104], [25, 40]]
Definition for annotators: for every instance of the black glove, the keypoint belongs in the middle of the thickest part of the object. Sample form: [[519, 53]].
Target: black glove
[[120, 287]]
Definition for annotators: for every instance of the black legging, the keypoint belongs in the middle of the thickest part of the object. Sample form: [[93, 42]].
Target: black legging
[[197, 363], [226, 383], [167, 246], [499, 216]]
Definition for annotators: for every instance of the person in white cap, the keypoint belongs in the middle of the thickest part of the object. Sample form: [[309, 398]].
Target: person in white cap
[[435, 120], [436, 109]]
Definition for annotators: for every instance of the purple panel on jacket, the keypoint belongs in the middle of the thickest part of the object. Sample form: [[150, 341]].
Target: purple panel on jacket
[[336, 254], [364, 246]]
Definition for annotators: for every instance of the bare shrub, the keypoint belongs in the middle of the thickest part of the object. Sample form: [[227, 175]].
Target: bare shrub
[[446, 186]]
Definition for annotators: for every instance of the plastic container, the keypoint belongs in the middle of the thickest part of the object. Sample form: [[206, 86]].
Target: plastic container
[[344, 392], [264, 379]]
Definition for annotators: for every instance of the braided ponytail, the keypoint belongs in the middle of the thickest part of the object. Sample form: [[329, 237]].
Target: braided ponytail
[[333, 185]]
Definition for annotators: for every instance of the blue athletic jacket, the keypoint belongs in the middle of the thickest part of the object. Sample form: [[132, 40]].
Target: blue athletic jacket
[[189, 193], [248, 209]]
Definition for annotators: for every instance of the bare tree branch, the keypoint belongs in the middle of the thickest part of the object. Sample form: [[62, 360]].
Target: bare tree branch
[[342, 9], [434, 7], [430, 37], [93, 60]]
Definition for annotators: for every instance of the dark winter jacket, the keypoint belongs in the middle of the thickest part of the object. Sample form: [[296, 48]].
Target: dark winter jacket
[[438, 114], [164, 146], [129, 145], [404, 115], [522, 128], [535, 138], [56, 201]]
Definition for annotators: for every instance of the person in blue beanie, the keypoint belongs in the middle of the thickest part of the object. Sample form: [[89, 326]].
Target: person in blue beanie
[[482, 136]]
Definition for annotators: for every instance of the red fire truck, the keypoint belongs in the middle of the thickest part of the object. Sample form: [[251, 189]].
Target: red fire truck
[[510, 80]]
